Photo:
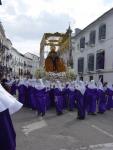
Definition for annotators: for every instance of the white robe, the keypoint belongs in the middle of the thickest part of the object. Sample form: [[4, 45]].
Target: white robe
[[109, 86], [100, 86], [92, 85], [7, 101]]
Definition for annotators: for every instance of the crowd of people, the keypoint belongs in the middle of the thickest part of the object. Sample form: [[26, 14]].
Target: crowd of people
[[89, 98]]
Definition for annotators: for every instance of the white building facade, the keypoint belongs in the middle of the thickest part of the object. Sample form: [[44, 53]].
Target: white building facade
[[35, 62], [12, 62], [93, 50], [21, 65], [5, 52]]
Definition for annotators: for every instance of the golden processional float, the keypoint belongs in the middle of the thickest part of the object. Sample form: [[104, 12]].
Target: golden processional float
[[55, 64]]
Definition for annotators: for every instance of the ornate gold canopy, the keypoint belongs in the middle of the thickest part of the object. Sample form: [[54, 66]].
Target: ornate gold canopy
[[54, 39]]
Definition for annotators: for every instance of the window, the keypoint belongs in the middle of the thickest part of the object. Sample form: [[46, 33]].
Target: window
[[100, 58], [102, 32], [90, 78], [91, 62], [92, 37], [82, 42], [80, 65]]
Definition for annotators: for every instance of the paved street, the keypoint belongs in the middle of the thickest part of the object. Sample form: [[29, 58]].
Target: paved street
[[63, 132]]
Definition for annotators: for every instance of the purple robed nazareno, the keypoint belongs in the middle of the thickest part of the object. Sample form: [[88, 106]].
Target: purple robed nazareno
[[109, 94], [22, 94], [7, 133], [80, 104], [13, 88], [40, 100], [71, 99], [58, 100], [31, 97], [90, 100], [101, 101], [52, 98], [65, 96], [48, 99]]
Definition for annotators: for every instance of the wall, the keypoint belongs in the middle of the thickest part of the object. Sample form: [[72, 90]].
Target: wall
[[106, 45]]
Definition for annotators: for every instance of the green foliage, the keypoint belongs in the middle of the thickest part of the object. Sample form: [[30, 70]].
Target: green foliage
[[70, 74]]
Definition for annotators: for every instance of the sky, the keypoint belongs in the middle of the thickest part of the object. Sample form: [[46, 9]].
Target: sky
[[25, 21]]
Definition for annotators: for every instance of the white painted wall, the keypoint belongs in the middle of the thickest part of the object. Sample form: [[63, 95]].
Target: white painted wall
[[35, 62], [106, 45], [18, 61]]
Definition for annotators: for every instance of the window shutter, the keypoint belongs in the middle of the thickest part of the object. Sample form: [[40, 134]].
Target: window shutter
[[92, 37], [91, 62], [102, 32], [100, 58], [80, 65], [82, 42]]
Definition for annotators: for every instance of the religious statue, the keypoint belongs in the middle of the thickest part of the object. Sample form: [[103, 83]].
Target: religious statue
[[53, 62]]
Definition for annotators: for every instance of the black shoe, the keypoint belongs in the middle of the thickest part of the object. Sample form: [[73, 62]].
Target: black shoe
[[59, 113], [80, 118], [93, 114], [43, 114], [70, 110], [99, 112], [108, 108], [89, 113]]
